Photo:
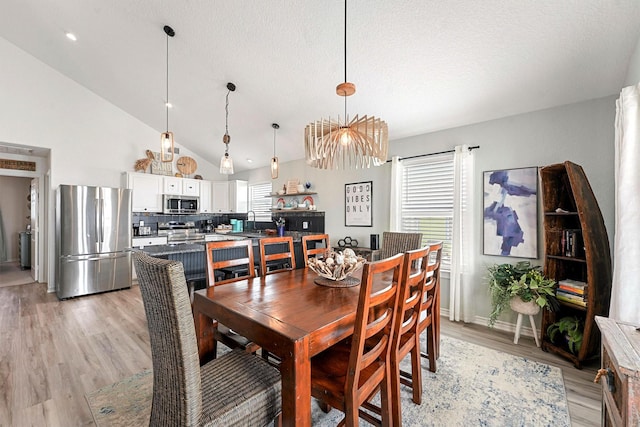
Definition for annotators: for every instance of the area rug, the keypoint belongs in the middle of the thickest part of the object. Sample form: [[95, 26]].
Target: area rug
[[474, 386]]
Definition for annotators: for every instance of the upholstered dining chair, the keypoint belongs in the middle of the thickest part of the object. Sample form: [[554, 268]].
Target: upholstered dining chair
[[272, 256], [234, 258], [236, 389], [315, 240], [396, 242], [350, 373], [406, 337]]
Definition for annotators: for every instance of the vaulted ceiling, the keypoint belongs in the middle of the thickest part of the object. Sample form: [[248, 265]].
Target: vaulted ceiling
[[421, 65]]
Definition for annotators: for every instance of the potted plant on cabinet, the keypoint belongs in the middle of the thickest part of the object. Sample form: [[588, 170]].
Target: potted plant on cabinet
[[522, 287], [570, 327]]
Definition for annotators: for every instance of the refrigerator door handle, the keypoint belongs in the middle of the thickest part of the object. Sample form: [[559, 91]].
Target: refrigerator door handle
[[93, 257]]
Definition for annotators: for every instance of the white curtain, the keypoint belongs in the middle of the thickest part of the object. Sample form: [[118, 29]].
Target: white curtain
[[625, 295], [396, 193], [461, 291]]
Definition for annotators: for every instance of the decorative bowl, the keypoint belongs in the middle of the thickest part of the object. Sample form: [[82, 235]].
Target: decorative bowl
[[337, 265]]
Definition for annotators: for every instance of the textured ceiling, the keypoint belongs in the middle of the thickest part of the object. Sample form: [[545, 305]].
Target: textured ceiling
[[420, 65]]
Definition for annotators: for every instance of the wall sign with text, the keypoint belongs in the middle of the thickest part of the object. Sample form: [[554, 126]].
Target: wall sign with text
[[358, 204]]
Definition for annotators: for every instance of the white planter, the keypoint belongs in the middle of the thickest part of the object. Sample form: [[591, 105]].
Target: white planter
[[529, 308]]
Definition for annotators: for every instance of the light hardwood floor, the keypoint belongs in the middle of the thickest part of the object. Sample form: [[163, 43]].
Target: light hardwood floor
[[53, 352]]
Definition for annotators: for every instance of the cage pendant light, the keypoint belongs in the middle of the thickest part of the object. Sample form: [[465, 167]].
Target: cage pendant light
[[166, 138], [274, 159], [226, 162], [356, 143]]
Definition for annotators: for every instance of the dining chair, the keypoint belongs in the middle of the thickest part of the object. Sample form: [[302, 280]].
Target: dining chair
[[406, 338], [315, 240], [232, 260], [236, 389], [396, 242], [430, 315], [272, 256], [351, 372], [435, 262]]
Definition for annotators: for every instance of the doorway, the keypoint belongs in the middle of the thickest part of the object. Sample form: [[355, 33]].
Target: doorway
[[16, 239], [24, 208]]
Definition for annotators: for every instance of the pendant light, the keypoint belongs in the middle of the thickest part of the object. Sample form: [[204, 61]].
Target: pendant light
[[226, 163], [274, 159], [166, 138], [360, 142]]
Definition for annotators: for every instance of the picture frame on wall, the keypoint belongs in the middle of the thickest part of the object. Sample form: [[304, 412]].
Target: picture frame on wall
[[358, 206], [510, 212]]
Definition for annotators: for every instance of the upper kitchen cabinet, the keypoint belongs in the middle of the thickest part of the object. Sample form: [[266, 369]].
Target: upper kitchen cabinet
[[230, 196], [206, 205], [181, 186], [147, 191]]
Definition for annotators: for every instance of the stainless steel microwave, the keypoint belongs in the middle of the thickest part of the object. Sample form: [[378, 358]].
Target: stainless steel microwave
[[180, 204]]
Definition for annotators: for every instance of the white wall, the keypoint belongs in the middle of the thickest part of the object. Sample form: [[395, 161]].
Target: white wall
[[92, 142], [633, 72], [581, 133], [14, 208]]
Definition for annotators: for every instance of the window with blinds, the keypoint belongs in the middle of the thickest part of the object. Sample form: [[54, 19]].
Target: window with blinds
[[260, 200], [427, 200]]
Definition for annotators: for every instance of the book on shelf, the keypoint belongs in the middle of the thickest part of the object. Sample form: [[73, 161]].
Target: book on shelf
[[573, 299], [575, 286], [572, 291], [571, 242]]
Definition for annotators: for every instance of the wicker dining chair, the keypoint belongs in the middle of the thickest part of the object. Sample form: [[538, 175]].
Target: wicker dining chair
[[315, 240], [348, 374], [395, 243], [235, 389], [406, 336], [230, 258], [275, 259]]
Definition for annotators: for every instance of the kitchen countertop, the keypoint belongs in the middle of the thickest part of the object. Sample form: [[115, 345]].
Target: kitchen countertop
[[162, 250]]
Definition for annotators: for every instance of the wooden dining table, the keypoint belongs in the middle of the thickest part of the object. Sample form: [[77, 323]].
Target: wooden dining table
[[287, 314]]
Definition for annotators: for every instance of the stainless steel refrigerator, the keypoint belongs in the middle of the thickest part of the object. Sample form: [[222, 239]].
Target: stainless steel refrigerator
[[93, 235]]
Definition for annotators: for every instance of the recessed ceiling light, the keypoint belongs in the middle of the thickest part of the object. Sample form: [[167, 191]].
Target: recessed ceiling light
[[249, 161], [168, 105], [71, 36]]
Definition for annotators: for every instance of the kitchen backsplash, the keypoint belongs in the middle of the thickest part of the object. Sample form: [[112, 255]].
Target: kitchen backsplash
[[294, 221]]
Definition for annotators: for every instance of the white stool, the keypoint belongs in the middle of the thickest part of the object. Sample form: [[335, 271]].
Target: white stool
[[525, 308]]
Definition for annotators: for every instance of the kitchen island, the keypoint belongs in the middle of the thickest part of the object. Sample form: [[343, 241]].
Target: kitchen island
[[193, 257]]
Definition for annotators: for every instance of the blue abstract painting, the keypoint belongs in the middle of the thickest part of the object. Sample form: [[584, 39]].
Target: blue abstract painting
[[511, 212]]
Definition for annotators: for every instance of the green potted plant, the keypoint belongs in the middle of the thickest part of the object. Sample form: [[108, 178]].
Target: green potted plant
[[509, 284], [570, 328]]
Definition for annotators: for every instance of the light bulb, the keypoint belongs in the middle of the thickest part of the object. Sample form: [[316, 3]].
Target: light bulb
[[345, 136]]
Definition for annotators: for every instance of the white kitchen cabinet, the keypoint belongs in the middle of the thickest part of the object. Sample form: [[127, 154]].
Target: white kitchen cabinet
[[147, 191], [205, 197], [238, 196], [230, 196], [181, 186], [172, 185], [142, 241], [191, 187], [220, 196]]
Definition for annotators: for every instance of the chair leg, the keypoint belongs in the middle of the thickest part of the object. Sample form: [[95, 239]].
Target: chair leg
[[396, 407], [431, 348], [385, 399], [416, 373]]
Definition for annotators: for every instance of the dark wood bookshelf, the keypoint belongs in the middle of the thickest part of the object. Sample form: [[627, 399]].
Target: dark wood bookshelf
[[565, 187]]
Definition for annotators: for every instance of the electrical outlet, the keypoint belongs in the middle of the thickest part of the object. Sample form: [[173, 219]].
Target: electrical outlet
[[305, 225]]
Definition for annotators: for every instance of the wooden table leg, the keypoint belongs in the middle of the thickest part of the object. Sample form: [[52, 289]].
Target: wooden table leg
[[295, 369], [204, 334]]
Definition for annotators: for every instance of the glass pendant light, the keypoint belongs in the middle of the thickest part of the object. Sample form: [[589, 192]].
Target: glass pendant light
[[274, 159], [166, 138], [226, 162]]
